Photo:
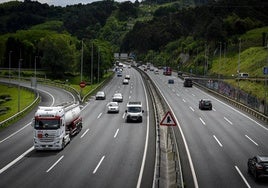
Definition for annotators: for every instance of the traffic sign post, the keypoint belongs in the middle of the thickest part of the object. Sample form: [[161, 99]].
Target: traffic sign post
[[82, 84], [168, 120]]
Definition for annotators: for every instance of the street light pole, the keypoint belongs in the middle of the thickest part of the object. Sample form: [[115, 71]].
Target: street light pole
[[9, 65], [20, 60]]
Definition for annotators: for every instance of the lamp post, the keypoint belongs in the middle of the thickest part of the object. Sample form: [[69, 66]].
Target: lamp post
[[9, 66], [20, 60]]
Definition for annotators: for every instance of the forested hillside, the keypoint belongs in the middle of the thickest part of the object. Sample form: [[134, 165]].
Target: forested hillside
[[164, 32]]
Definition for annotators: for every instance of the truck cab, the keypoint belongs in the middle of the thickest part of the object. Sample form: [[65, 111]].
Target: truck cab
[[134, 112]]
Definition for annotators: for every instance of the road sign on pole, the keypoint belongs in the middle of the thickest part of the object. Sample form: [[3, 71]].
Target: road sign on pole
[[168, 120]]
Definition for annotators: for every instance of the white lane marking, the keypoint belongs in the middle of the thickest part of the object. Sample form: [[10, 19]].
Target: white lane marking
[[191, 108], [14, 133], [16, 160], [84, 133], [53, 101], [237, 111], [217, 140], [173, 90], [202, 121], [95, 170], [129, 97], [99, 115], [146, 140], [178, 94], [226, 119], [115, 135], [124, 115], [184, 141], [244, 179], [130, 91], [214, 109], [252, 140], [55, 164], [193, 95], [183, 100]]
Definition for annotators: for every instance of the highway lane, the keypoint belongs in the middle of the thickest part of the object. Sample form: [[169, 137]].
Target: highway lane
[[107, 153], [220, 141]]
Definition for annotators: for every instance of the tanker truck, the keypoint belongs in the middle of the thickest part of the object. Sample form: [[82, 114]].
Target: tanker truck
[[54, 126]]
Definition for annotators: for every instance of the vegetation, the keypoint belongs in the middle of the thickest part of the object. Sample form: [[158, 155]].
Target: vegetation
[[9, 100]]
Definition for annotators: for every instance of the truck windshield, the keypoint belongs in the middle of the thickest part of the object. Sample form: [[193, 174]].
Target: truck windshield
[[134, 109], [47, 124]]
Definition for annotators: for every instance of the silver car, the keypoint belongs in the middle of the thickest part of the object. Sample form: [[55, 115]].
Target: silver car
[[118, 97], [113, 107], [100, 95]]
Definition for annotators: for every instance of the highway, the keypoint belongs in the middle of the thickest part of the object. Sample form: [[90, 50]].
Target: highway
[[108, 152], [220, 141]]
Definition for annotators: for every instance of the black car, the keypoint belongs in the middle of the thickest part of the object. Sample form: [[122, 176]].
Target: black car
[[188, 82], [258, 166], [170, 81], [205, 104]]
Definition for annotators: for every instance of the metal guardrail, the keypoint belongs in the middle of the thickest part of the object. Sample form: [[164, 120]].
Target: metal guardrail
[[21, 113], [167, 147]]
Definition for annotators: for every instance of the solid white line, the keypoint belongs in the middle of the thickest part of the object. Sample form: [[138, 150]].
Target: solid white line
[[252, 140], [55, 163], [217, 140], [191, 108], [202, 121], [99, 115], [146, 141], [84, 133], [14, 133], [237, 111], [244, 179], [98, 165], [115, 135], [16, 160], [228, 121]]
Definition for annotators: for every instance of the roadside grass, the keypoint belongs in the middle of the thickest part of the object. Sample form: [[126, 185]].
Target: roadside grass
[[26, 98]]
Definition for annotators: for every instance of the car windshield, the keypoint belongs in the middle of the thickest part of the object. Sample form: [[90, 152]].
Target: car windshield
[[134, 109], [117, 95], [47, 124], [100, 93], [112, 104]]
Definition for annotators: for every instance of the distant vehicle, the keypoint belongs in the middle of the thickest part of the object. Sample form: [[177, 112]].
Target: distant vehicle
[[119, 73], [171, 81], [167, 71], [118, 97], [100, 95], [125, 81], [179, 73], [113, 107], [188, 82], [243, 75], [258, 166], [156, 71], [134, 111], [54, 126], [127, 76], [205, 104]]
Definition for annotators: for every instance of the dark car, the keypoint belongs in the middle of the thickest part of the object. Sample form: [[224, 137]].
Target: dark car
[[205, 104], [258, 166], [188, 82], [170, 81]]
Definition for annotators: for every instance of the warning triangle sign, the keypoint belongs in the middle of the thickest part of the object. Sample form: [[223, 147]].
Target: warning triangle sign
[[168, 120]]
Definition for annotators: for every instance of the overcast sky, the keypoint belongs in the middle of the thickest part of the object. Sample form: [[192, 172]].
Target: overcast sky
[[64, 2]]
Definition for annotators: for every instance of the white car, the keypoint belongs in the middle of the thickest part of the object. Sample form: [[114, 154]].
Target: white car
[[118, 97], [127, 76], [125, 81], [113, 107], [100, 95]]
